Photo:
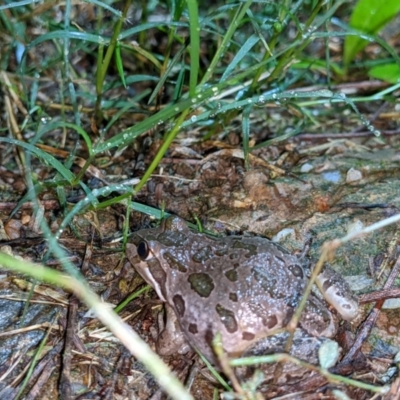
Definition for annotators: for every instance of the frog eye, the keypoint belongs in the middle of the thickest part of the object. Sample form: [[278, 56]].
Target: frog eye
[[143, 250]]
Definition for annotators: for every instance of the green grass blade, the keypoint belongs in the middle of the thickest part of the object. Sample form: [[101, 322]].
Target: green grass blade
[[244, 50], [179, 85], [246, 134], [146, 54], [83, 36], [148, 26], [164, 147], [127, 136], [194, 45], [90, 200], [120, 66], [240, 13], [162, 80], [112, 10], [61, 125], [16, 4]]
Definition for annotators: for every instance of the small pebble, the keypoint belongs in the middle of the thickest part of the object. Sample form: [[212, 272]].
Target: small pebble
[[331, 176], [307, 167], [353, 175], [391, 304], [392, 329], [355, 226], [282, 234]]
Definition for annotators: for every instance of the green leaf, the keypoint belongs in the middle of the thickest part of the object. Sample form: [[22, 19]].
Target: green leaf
[[369, 16], [388, 73]]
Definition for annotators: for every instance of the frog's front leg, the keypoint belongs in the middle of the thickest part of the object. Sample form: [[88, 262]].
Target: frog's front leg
[[337, 293], [171, 339]]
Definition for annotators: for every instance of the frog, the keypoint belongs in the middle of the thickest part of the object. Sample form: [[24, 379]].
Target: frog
[[245, 288]]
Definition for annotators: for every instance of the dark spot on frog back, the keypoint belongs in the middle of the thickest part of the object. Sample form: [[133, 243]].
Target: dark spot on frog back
[[201, 283], [193, 329], [173, 262], [266, 281], [251, 248], [232, 275], [271, 321], [248, 336], [203, 254], [296, 270], [227, 318], [233, 297], [179, 304]]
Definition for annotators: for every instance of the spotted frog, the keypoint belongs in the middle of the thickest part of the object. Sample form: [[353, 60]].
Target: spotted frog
[[245, 288]]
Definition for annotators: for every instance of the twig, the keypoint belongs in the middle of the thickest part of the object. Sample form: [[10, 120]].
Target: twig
[[65, 381]]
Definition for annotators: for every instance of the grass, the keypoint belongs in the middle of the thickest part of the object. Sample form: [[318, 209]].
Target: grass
[[94, 79]]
